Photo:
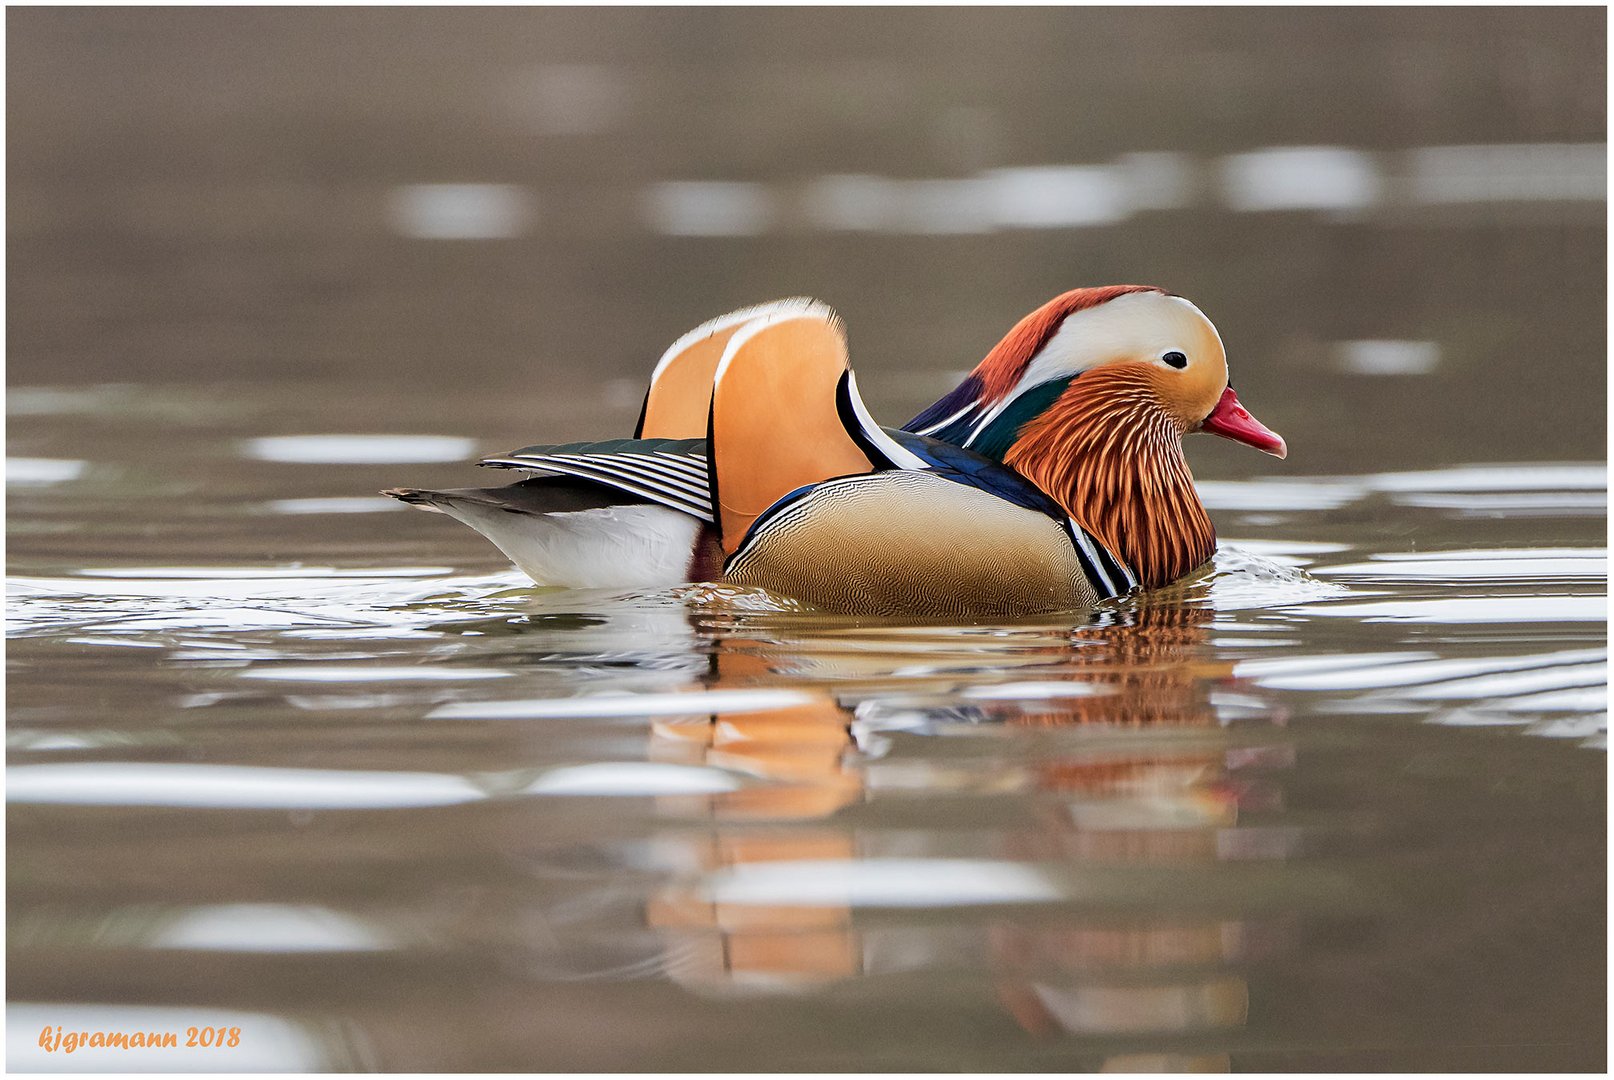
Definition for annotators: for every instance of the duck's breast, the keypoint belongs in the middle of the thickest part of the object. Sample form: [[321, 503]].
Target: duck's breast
[[912, 543]]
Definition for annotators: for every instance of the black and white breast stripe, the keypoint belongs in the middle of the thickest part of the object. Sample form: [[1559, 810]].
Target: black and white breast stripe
[[676, 480], [1109, 575]]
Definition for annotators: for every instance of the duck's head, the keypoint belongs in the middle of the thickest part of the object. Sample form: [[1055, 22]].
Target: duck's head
[[1146, 350], [1089, 397]]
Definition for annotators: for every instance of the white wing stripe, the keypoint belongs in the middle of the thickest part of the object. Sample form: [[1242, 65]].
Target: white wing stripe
[[619, 467], [933, 428], [899, 456], [990, 415], [603, 470], [633, 466], [692, 477], [659, 495], [694, 466]]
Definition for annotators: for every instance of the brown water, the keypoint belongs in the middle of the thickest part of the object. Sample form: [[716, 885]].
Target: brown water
[[340, 779], [288, 757]]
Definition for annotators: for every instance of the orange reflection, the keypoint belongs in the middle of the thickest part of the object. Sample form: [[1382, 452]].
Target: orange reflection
[[803, 753], [1109, 977], [1099, 797]]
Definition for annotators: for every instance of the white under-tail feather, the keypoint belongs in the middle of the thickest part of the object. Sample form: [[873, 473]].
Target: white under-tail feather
[[608, 548]]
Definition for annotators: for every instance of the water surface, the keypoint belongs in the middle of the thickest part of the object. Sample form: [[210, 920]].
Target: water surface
[[283, 756]]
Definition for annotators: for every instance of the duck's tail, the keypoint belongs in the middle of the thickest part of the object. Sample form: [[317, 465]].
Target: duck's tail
[[770, 380], [577, 534]]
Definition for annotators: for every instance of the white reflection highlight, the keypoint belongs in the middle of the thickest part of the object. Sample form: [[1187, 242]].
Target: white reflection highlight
[[1289, 552], [1385, 357], [1311, 666], [704, 702], [1588, 722], [42, 472], [269, 928], [1112, 1010], [344, 673], [359, 449], [1523, 563], [880, 883], [232, 786], [862, 203], [710, 208], [1495, 478], [267, 788], [1489, 504], [1321, 493], [218, 573], [1530, 172], [330, 702], [1464, 555], [123, 643], [59, 400], [1335, 180], [1481, 487], [1578, 699], [1036, 691], [268, 1043], [460, 211], [370, 604], [1025, 197], [28, 740], [1059, 196], [947, 207], [1301, 178], [633, 778], [1379, 673], [1522, 686], [376, 504], [1471, 609], [215, 618], [855, 203], [1592, 728], [1157, 180]]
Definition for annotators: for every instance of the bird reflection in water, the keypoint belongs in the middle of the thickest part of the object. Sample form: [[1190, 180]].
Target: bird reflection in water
[[1131, 976], [807, 755], [1129, 765]]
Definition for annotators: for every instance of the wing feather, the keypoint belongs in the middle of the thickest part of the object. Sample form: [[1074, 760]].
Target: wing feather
[[672, 472], [680, 393], [776, 423]]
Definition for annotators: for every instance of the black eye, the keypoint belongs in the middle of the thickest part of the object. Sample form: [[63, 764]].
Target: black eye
[[1175, 359]]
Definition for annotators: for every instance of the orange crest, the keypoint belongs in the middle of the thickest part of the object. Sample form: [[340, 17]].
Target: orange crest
[[1007, 361]]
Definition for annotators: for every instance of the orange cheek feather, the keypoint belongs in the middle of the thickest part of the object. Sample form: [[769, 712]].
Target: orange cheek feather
[[1110, 451]]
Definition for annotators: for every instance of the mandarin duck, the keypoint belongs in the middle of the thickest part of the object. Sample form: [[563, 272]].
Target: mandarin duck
[[1051, 478]]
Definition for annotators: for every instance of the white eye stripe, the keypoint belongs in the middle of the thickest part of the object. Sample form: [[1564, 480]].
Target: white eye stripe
[[1139, 327]]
